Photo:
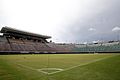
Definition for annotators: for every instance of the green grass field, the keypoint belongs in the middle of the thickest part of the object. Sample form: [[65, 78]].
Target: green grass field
[[60, 67]]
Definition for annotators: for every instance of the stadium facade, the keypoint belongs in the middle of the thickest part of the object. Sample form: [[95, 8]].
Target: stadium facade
[[17, 41]]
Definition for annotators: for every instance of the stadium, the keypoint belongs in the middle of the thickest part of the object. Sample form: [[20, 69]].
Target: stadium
[[17, 41], [29, 56]]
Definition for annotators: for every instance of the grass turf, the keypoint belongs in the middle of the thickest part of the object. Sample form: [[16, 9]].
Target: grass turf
[[85, 67]]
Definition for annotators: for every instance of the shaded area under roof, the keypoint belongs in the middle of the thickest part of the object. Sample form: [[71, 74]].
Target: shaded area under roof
[[12, 30]]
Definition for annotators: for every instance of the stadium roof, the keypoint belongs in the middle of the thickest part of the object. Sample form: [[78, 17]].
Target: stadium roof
[[12, 30]]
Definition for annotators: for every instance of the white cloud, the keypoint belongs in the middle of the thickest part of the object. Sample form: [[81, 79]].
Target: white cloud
[[85, 42], [91, 29], [116, 29], [50, 17], [41, 16]]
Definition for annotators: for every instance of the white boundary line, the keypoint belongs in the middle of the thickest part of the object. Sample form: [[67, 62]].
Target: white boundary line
[[42, 70], [26, 66], [32, 68], [82, 64], [51, 69], [61, 70]]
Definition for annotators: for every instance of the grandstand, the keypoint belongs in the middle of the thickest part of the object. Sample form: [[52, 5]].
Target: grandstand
[[99, 47], [17, 41]]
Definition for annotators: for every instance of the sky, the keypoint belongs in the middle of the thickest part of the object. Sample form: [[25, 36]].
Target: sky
[[69, 21]]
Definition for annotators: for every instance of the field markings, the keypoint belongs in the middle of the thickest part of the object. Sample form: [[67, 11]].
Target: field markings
[[31, 68], [42, 69], [83, 64], [59, 69], [45, 70], [25, 66]]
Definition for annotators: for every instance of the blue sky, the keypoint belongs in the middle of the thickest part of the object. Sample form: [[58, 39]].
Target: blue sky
[[64, 20]]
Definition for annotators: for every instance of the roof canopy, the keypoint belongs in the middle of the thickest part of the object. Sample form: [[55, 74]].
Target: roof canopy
[[8, 30]]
